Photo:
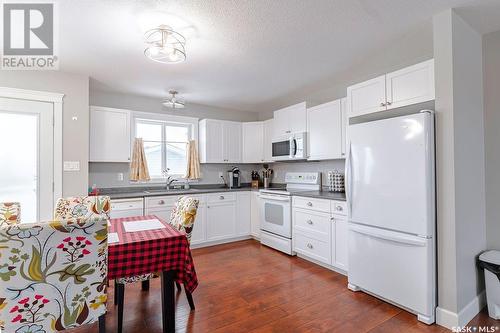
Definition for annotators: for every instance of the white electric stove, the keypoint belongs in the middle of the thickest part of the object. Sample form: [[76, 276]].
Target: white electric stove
[[276, 209]]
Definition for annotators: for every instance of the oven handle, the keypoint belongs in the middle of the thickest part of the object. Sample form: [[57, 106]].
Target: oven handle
[[275, 198]]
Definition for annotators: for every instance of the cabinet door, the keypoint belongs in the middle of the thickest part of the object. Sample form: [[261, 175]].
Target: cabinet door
[[253, 142], [268, 140], [344, 127], [243, 218], [324, 124], [198, 234], [339, 248], [221, 221], [232, 142], [298, 118], [109, 135], [281, 124], [411, 85], [255, 214], [367, 97], [162, 213], [213, 142]]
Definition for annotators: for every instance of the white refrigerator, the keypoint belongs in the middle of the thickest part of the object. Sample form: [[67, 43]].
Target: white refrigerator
[[390, 187]]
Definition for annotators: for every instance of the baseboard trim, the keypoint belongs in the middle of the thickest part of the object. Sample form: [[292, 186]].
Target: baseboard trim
[[219, 242], [451, 319]]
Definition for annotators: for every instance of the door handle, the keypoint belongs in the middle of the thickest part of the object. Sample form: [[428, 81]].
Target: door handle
[[309, 222]]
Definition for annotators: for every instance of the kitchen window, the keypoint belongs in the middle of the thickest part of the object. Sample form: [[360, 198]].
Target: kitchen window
[[165, 146]]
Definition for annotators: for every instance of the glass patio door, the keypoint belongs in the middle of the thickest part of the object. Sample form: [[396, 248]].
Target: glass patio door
[[26, 157]]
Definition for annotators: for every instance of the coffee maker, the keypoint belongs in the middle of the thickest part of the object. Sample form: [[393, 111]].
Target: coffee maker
[[234, 177]]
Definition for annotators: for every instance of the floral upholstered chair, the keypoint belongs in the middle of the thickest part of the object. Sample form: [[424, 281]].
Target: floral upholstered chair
[[53, 275], [182, 218], [82, 207], [10, 213]]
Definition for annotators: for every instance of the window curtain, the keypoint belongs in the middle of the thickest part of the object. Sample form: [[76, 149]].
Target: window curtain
[[193, 161], [139, 165]]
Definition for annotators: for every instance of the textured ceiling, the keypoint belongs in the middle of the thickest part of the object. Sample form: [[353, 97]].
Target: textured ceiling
[[241, 54]]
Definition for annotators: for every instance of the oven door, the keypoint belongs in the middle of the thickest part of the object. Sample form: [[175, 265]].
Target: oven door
[[276, 214]]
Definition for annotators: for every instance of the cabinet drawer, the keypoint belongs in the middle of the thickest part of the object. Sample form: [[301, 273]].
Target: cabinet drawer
[[221, 197], [339, 207], [320, 205], [315, 225], [126, 204], [161, 201], [313, 248]]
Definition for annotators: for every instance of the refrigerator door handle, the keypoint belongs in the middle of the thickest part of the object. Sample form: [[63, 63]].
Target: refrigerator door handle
[[388, 236]]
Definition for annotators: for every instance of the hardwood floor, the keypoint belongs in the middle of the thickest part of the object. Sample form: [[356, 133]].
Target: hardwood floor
[[246, 287]]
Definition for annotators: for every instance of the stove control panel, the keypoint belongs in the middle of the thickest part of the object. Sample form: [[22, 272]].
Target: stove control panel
[[311, 178]]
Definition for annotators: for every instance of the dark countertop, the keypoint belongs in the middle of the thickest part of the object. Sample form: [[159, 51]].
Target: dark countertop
[[141, 192], [322, 195]]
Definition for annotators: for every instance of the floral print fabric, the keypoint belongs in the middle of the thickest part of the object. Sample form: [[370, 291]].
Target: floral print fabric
[[82, 207], [184, 214], [10, 213], [52, 274]]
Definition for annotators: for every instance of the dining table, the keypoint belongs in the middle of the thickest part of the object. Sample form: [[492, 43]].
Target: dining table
[[132, 251]]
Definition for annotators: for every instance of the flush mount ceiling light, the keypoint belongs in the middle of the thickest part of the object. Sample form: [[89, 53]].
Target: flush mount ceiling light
[[173, 102], [165, 45]]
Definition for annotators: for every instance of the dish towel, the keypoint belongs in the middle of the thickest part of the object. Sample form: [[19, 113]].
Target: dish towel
[[193, 161], [138, 165]]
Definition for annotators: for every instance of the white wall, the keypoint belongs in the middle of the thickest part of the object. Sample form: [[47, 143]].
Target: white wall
[[76, 103], [460, 167], [491, 65]]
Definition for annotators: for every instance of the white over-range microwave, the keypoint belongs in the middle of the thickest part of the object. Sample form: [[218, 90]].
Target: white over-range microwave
[[290, 147]]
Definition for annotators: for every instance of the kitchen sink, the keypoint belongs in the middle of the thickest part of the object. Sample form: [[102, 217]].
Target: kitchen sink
[[170, 191]]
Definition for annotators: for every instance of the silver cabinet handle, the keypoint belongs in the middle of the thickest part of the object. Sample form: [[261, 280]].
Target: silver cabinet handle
[[221, 197], [309, 222], [332, 219], [309, 204], [389, 103], [309, 245], [382, 104], [339, 208], [161, 202]]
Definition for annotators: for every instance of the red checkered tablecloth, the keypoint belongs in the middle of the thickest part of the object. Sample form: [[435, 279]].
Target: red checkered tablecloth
[[150, 251]]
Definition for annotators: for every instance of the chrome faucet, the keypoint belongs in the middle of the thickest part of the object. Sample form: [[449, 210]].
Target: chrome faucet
[[170, 179]]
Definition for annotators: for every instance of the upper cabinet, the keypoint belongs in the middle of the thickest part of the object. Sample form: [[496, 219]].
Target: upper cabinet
[[292, 119], [411, 85], [253, 142], [268, 140], [325, 131], [109, 135], [220, 141]]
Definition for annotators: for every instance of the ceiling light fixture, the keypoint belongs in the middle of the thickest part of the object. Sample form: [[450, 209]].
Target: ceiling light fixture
[[165, 45], [173, 102]]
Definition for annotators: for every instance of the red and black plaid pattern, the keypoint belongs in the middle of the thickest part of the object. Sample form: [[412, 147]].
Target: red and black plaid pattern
[[150, 251]]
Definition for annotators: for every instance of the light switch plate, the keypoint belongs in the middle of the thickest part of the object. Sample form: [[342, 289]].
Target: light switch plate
[[71, 166]]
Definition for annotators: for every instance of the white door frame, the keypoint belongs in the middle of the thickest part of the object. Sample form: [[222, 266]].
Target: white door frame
[[57, 100]]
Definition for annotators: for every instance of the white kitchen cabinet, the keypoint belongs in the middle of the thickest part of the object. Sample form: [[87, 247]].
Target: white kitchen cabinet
[[343, 110], [255, 214], [339, 248], [268, 140], [220, 141], [253, 142], [127, 207], [221, 217], [198, 234], [289, 120], [367, 97], [243, 219], [410, 85], [109, 135], [325, 132]]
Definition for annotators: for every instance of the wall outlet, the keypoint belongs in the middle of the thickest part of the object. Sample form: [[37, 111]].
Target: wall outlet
[[119, 176], [221, 174], [71, 166]]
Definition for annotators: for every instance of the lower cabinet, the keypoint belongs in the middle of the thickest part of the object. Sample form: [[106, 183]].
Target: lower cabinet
[[320, 231], [255, 214], [217, 218]]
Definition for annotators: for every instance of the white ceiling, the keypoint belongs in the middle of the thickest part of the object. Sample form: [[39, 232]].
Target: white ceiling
[[241, 54]]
